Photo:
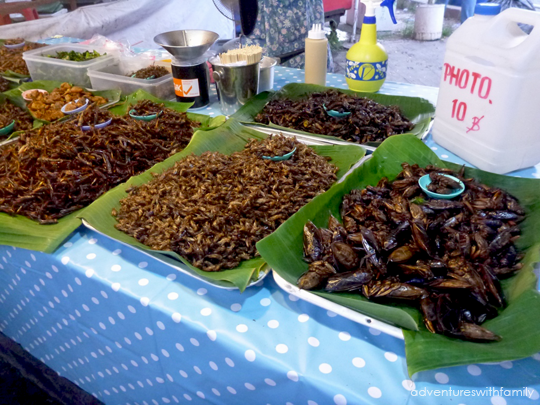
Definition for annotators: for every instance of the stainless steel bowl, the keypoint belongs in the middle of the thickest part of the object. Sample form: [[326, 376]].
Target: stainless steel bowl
[[186, 44]]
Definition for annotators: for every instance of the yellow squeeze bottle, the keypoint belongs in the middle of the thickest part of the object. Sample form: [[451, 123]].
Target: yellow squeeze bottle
[[367, 60]]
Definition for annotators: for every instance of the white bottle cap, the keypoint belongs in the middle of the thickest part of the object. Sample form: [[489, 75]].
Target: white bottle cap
[[316, 32]]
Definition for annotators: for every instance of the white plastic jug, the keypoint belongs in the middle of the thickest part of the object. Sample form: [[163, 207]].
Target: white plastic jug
[[488, 110]]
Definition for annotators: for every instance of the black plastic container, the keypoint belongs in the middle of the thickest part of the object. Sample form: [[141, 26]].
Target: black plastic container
[[191, 83]]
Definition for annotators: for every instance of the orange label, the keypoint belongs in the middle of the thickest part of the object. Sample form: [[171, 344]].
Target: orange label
[[186, 87]]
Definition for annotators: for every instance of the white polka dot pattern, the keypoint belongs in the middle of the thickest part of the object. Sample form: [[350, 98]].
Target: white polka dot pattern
[[313, 341], [325, 368], [442, 378], [340, 400], [293, 376], [498, 400], [409, 385], [282, 348], [242, 328], [391, 356], [374, 392], [250, 355], [474, 370]]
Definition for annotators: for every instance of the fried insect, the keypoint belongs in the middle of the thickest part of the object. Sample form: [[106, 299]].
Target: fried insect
[[12, 60], [14, 41], [369, 121], [58, 168], [92, 117], [10, 112], [150, 72], [441, 184], [349, 281], [313, 249], [445, 255], [212, 209]]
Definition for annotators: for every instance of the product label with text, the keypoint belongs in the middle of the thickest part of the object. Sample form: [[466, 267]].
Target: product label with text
[[186, 87], [366, 72], [474, 86]]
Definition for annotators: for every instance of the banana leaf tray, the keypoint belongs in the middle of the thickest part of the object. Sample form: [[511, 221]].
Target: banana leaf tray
[[25, 233], [228, 138], [517, 324], [420, 111]]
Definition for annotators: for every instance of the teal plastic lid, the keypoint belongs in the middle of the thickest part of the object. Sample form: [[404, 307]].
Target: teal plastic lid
[[487, 9]]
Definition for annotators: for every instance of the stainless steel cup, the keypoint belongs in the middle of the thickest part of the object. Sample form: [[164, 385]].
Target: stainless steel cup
[[236, 84], [266, 78]]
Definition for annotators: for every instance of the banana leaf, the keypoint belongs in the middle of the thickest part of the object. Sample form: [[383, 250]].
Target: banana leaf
[[228, 138], [15, 77], [19, 103], [206, 121], [29, 234], [418, 110], [517, 324], [13, 83], [15, 95]]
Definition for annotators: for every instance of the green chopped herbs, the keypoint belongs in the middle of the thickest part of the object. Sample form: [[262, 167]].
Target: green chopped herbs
[[77, 56]]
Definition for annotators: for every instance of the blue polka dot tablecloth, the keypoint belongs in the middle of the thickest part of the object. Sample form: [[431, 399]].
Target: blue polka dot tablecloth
[[131, 330]]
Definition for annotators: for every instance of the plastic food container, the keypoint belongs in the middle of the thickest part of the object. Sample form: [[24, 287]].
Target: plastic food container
[[43, 68], [114, 77]]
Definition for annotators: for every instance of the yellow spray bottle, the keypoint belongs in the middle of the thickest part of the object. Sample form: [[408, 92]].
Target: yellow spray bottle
[[367, 60]]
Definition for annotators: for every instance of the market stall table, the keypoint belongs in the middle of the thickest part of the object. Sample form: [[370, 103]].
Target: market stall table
[[132, 330]]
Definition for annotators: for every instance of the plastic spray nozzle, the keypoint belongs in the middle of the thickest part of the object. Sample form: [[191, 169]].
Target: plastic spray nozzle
[[371, 5], [390, 5]]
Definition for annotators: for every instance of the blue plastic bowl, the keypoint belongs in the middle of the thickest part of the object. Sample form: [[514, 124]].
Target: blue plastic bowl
[[76, 110], [15, 46], [425, 181], [144, 117], [8, 129], [98, 126]]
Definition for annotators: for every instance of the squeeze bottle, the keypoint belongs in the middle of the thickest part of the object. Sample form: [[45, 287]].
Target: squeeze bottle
[[316, 56], [487, 109], [367, 60]]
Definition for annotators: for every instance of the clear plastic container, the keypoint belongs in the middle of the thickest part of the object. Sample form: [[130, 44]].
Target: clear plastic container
[[42, 67], [114, 77]]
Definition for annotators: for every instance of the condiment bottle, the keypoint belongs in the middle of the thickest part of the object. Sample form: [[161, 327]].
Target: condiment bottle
[[490, 91], [316, 56]]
